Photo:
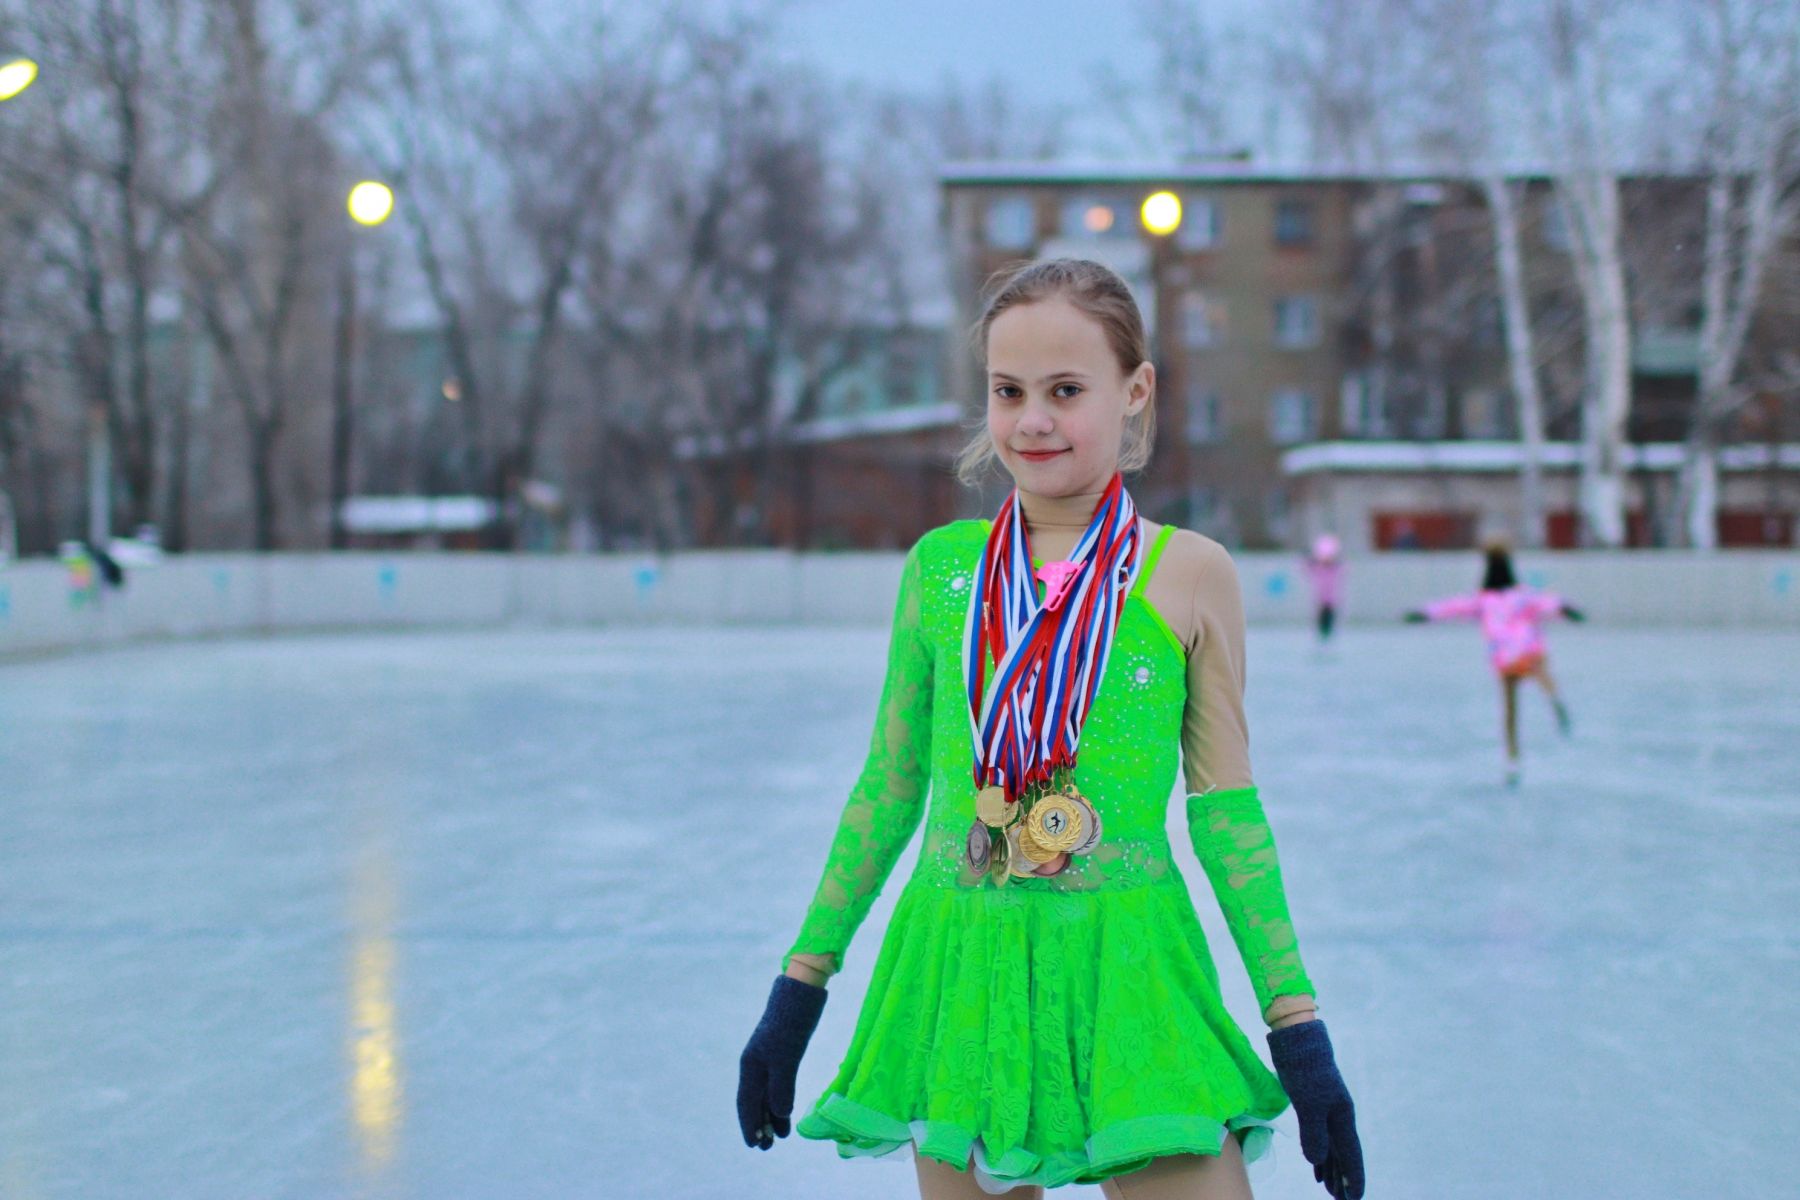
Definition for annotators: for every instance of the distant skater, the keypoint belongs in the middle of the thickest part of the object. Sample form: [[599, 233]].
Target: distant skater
[[1325, 575], [1512, 618]]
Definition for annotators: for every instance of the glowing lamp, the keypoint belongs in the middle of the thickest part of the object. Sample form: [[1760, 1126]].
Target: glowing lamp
[[1161, 213]]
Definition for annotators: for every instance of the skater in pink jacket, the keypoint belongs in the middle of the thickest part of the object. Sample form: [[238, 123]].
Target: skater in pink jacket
[[1512, 618], [1325, 574]]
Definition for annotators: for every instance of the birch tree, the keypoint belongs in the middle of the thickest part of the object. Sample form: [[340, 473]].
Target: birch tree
[[1750, 70], [1587, 185]]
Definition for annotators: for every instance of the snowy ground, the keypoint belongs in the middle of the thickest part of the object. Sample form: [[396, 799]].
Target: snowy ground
[[491, 914]]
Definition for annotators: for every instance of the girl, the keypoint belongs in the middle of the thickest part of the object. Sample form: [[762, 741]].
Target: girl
[[1044, 1009], [1511, 619], [1325, 573]]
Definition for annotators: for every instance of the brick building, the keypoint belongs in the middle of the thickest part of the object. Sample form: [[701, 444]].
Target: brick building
[[1301, 320]]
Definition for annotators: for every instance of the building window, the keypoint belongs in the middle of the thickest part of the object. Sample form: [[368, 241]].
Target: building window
[[1011, 223], [1296, 321], [1202, 224], [1555, 226], [1276, 513], [1356, 408], [1202, 321], [1292, 416], [1483, 413], [1086, 217], [1202, 415], [1293, 222]]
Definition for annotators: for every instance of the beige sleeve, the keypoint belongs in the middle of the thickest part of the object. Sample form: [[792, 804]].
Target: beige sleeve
[[1215, 738]]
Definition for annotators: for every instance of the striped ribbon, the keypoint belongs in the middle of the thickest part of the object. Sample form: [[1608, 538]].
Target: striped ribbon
[[1048, 662]]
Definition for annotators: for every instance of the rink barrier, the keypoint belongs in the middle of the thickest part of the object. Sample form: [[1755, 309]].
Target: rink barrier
[[211, 595]]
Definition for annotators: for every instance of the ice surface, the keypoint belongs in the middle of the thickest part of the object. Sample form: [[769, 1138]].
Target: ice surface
[[491, 914]]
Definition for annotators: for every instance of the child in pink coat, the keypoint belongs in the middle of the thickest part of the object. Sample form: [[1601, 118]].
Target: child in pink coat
[[1325, 574], [1512, 618]]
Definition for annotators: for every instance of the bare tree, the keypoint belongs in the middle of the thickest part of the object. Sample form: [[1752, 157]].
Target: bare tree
[[511, 186], [114, 132], [256, 253], [1750, 71], [1588, 189]]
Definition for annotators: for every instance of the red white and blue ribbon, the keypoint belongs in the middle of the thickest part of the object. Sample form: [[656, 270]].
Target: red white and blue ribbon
[[1049, 656]]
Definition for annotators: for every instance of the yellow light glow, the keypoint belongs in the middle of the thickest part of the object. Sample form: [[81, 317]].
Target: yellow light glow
[[16, 76], [371, 202], [1098, 219], [377, 1086], [1162, 213]]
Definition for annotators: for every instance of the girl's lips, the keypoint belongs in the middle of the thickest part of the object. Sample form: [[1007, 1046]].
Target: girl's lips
[[1039, 455]]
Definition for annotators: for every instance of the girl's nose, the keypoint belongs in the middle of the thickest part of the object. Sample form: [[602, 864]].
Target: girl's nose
[[1035, 421]]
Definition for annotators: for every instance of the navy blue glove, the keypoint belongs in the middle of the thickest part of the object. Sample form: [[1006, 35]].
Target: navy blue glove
[[766, 1070], [1309, 1074]]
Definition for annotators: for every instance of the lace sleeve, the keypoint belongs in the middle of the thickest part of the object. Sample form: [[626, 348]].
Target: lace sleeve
[[1226, 823], [888, 799], [1232, 838]]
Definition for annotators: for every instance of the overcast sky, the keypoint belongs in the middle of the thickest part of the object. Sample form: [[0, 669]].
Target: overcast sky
[[1047, 49]]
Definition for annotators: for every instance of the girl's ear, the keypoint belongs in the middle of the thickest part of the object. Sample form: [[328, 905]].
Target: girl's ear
[[1139, 388]]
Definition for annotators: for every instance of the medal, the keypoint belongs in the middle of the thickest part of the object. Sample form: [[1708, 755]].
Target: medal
[[993, 808], [1032, 850], [1055, 824], [979, 845], [1017, 864], [1053, 867], [1000, 860], [1093, 819]]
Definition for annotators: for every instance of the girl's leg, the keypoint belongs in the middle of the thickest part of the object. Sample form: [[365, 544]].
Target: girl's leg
[[1509, 689], [1542, 675], [941, 1181], [1218, 1176]]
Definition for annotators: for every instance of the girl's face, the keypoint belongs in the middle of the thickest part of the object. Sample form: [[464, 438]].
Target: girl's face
[[1057, 399]]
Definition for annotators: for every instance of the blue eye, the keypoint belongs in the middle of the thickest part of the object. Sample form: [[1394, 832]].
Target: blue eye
[[1068, 391]]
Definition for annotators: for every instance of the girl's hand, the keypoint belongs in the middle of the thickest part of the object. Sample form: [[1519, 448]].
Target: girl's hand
[[1309, 1074], [766, 1070]]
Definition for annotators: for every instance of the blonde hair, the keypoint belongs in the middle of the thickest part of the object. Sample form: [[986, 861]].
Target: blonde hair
[[1096, 290]]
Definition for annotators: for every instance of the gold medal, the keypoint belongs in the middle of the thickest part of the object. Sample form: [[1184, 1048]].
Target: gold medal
[[1056, 823], [1017, 865], [991, 805], [1032, 850], [999, 861]]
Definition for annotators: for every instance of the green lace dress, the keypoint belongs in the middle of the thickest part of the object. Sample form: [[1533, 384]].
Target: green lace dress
[[1063, 1029]]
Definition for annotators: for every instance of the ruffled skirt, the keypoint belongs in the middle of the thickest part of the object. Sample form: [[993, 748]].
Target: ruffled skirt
[[1052, 1037]]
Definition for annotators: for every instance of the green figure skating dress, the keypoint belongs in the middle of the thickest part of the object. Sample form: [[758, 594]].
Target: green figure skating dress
[[1061, 1029]]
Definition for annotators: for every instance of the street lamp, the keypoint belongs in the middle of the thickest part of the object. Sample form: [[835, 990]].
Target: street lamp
[[369, 203], [16, 74], [1161, 213]]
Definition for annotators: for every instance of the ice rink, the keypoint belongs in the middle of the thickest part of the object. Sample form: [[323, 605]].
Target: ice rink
[[491, 914]]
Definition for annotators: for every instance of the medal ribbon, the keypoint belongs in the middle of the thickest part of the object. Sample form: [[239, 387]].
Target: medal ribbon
[[1049, 655]]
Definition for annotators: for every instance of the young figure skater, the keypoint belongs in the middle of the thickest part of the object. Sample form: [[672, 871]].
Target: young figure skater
[[1512, 618], [1044, 1009], [1325, 574]]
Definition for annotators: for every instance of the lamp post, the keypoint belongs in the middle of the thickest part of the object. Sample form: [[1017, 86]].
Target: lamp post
[[369, 204], [16, 74]]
